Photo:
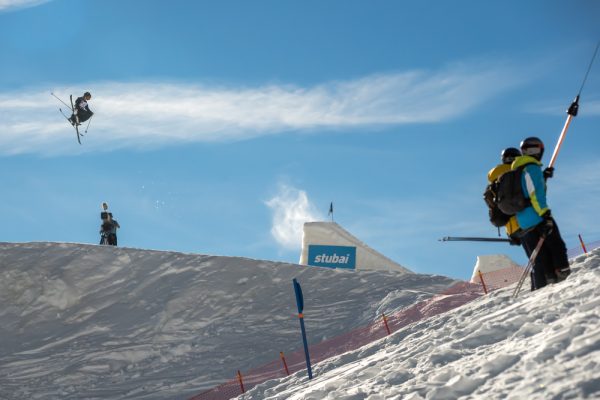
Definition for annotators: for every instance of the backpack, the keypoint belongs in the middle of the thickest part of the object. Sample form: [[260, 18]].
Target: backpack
[[107, 226], [496, 216], [509, 192]]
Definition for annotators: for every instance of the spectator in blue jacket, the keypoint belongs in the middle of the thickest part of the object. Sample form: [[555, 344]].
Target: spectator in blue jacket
[[551, 264]]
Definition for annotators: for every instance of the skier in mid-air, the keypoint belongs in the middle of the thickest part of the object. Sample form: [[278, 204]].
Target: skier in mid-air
[[81, 112], [108, 229]]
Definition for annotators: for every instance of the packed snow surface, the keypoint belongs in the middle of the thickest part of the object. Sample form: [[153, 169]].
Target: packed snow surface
[[91, 322], [98, 322], [542, 345]]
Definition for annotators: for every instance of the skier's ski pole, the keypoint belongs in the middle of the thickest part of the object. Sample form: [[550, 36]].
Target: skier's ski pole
[[61, 101], [572, 112], [529, 266], [472, 239], [89, 122]]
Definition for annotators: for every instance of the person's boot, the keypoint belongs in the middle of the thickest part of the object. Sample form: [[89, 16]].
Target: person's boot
[[562, 273]]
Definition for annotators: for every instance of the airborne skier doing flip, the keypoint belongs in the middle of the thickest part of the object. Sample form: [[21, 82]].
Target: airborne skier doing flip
[[81, 111]]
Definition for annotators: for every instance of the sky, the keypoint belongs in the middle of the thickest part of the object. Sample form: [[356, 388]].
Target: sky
[[221, 127]]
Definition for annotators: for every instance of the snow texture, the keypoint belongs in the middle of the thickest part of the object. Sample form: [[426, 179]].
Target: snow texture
[[542, 345], [92, 322], [99, 322]]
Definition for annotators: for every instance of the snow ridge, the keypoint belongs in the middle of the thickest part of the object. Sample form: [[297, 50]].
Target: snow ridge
[[85, 321], [545, 344]]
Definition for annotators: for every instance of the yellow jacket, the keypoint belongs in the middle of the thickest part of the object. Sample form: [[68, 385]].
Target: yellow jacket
[[512, 226]]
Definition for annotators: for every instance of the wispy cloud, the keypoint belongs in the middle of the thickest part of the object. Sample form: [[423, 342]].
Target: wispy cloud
[[291, 209], [589, 107], [11, 5], [135, 115]]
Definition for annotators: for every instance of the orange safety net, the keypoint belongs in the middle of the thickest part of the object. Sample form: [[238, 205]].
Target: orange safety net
[[455, 296]]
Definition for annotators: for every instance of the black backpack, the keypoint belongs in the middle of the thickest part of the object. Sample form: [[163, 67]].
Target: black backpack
[[496, 216], [509, 192], [107, 226]]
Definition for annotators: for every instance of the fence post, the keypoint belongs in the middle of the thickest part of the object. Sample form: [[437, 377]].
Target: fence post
[[387, 328], [482, 281], [582, 244], [239, 376], [287, 371]]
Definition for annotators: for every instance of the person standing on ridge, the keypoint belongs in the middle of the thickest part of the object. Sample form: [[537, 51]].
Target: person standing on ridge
[[108, 229], [552, 263], [497, 217], [82, 111]]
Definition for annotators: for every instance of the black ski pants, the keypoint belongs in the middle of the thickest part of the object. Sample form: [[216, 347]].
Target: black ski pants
[[109, 239], [552, 255], [83, 115]]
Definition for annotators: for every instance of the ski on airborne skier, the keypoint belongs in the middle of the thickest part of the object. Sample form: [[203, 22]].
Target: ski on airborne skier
[[67, 118], [76, 129], [75, 121]]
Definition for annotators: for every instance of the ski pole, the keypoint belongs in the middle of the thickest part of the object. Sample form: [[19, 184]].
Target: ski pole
[[89, 122], [61, 100], [529, 266], [472, 239], [572, 112]]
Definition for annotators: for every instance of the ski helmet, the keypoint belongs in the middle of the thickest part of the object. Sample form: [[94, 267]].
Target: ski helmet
[[87, 94], [509, 154], [533, 146]]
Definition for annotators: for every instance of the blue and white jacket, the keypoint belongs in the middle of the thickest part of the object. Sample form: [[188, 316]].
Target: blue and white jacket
[[534, 189]]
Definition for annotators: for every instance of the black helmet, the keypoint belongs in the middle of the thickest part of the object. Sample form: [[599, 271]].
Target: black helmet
[[534, 147], [87, 94], [509, 154]]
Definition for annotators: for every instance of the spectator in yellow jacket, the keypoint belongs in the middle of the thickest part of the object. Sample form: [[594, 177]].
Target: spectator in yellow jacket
[[508, 155]]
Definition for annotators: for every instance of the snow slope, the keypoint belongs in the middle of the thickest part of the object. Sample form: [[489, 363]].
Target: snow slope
[[543, 345], [94, 322]]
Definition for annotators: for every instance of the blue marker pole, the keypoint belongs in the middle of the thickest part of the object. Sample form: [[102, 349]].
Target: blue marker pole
[[300, 304]]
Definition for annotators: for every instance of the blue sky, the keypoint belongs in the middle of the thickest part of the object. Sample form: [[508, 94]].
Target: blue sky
[[221, 126]]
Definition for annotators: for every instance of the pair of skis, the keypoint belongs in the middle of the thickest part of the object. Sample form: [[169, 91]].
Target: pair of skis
[[74, 123]]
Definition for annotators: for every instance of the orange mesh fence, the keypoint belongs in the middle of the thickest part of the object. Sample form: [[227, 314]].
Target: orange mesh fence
[[455, 296], [501, 278], [224, 391]]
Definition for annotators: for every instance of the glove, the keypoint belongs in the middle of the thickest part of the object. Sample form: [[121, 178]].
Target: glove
[[547, 225], [514, 241], [548, 173]]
